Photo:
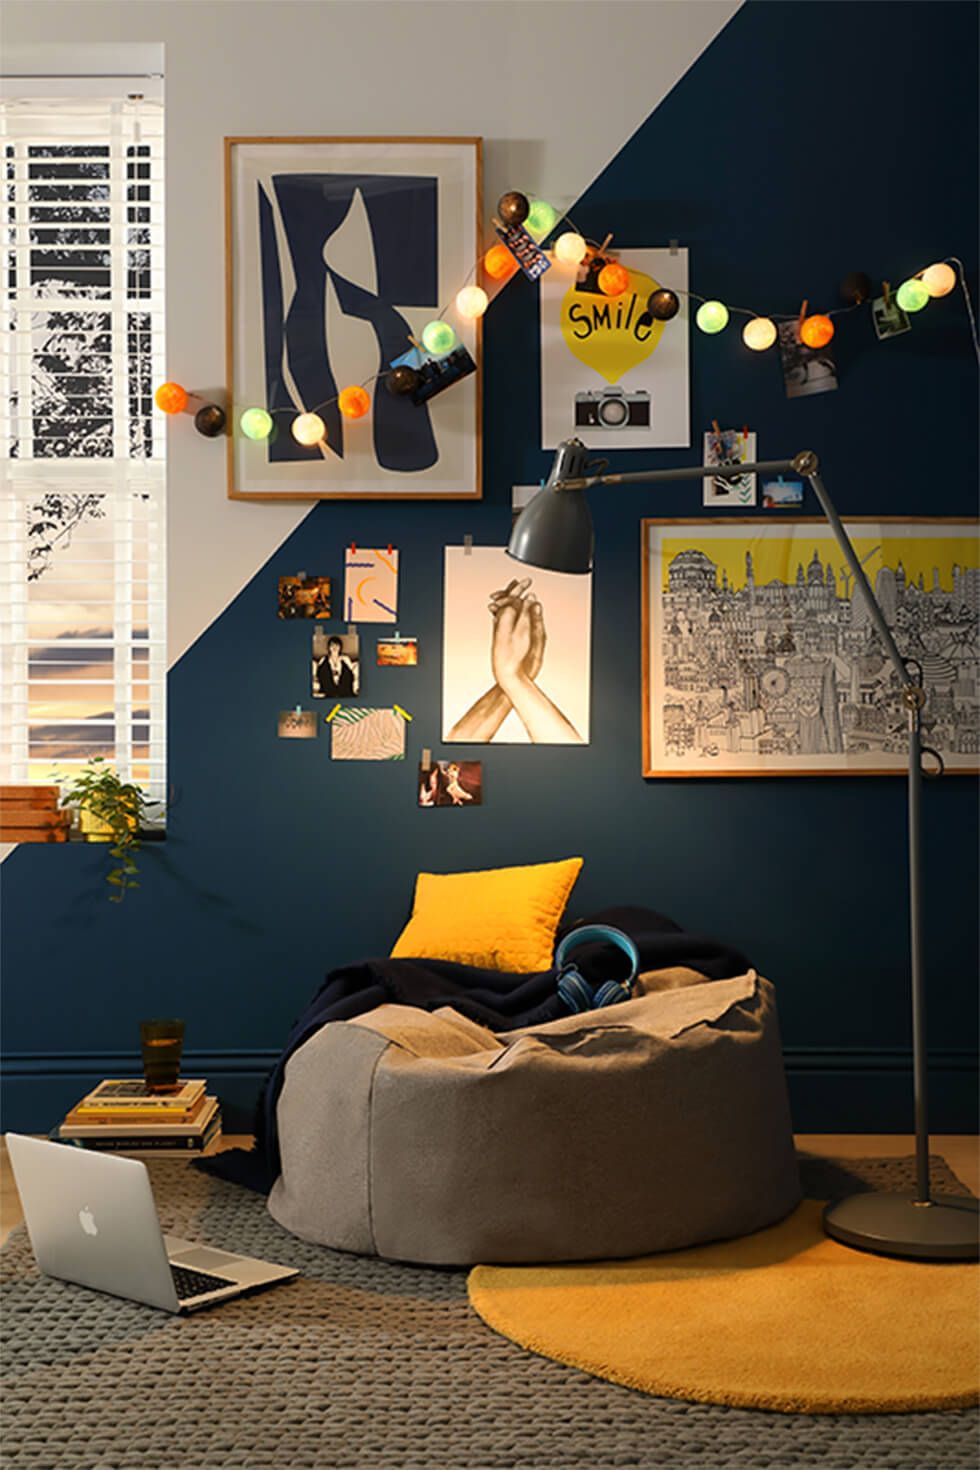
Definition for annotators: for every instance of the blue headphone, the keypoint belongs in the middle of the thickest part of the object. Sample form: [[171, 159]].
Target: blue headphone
[[573, 989]]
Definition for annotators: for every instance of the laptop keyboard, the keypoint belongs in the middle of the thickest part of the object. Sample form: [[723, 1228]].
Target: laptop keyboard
[[196, 1283]]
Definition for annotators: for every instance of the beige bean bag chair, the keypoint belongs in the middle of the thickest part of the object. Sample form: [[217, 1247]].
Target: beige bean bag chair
[[658, 1123]]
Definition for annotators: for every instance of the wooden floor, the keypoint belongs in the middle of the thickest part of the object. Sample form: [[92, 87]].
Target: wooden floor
[[961, 1152]]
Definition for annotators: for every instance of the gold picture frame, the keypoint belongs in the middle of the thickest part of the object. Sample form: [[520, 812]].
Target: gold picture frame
[[289, 203]]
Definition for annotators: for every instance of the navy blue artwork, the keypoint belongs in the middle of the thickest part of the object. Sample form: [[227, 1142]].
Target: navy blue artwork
[[402, 214]]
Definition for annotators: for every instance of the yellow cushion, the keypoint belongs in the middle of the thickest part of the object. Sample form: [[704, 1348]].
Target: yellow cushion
[[500, 919]]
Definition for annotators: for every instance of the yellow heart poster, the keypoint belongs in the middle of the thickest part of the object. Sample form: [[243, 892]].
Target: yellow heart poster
[[610, 375]]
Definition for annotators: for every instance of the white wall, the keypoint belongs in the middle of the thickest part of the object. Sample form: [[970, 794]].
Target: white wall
[[555, 87]]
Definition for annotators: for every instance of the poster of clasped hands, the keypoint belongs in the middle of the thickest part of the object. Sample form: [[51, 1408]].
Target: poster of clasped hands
[[516, 651]]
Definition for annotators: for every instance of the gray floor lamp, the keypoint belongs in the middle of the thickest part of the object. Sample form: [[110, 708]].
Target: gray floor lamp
[[555, 532]]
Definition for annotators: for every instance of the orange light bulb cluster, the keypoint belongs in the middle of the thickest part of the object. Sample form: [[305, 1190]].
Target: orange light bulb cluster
[[499, 264], [613, 279], [816, 330], [354, 403], [171, 398]]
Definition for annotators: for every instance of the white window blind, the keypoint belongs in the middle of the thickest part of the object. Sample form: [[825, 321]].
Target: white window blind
[[82, 518]]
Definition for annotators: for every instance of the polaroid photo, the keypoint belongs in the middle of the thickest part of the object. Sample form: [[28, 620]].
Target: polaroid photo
[[297, 724], [806, 370], [436, 374], [398, 653], [529, 256], [451, 783], [336, 667], [729, 447], [782, 494], [888, 317], [304, 597]]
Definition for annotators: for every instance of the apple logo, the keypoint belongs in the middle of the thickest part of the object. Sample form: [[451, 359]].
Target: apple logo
[[87, 1220]]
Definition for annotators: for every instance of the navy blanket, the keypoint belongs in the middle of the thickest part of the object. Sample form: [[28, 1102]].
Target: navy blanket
[[499, 1001]]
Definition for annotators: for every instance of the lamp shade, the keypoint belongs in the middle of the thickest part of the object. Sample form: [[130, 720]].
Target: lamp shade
[[555, 530]]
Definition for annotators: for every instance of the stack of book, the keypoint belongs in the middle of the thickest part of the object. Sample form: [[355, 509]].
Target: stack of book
[[121, 1116]]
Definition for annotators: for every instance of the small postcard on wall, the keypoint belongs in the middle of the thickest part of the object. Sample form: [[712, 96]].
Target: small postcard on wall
[[297, 724], [398, 653], [729, 447], [304, 597], [780, 494], [336, 671], [370, 585], [451, 783], [358, 734]]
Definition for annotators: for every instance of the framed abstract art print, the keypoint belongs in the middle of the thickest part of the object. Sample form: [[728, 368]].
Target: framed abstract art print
[[760, 658], [339, 252]]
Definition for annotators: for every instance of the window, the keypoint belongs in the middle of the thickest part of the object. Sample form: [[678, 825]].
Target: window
[[82, 514]]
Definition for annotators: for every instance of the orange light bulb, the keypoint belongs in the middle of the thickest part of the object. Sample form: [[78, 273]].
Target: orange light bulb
[[614, 279], [171, 398], [816, 330], [939, 279], [499, 264], [354, 403]]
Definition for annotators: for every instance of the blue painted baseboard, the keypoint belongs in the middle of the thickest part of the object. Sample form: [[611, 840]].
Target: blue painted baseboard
[[832, 1090]]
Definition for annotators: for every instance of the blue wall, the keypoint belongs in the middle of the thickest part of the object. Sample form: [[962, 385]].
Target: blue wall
[[808, 141]]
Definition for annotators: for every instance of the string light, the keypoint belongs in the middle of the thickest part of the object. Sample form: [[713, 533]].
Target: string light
[[438, 338], [210, 420], [541, 219], [471, 302], [816, 330], [912, 295], [255, 423], [354, 403], [938, 279], [712, 317], [513, 207], [759, 333], [499, 264], [663, 304], [402, 380], [170, 398], [570, 248], [309, 429], [614, 279]]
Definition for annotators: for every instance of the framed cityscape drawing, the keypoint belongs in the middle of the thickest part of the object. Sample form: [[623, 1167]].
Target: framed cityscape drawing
[[339, 250], [759, 658]]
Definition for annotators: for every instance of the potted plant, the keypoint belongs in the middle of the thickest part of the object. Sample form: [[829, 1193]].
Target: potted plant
[[110, 810]]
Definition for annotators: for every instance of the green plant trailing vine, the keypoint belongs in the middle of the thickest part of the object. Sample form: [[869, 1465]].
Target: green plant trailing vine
[[122, 806]]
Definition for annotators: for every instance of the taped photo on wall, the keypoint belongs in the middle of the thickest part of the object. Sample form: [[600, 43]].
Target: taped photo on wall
[[336, 670], [451, 783]]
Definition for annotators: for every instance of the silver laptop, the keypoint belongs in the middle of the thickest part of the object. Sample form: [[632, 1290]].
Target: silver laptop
[[92, 1220]]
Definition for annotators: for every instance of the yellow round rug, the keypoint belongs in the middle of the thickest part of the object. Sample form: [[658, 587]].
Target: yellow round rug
[[784, 1319]]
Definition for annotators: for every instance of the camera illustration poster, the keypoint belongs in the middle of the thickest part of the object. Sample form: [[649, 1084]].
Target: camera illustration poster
[[610, 375], [761, 657], [339, 252], [516, 652]]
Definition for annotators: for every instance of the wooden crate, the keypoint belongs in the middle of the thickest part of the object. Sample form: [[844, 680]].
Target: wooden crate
[[32, 814]]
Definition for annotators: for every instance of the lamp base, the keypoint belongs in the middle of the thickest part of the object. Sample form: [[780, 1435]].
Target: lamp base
[[945, 1229]]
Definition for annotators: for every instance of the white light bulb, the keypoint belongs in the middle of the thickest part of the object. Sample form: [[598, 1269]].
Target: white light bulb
[[570, 248], [471, 302], [309, 429]]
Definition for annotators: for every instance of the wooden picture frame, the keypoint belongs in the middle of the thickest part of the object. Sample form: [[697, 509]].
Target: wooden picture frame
[[328, 271], [745, 662]]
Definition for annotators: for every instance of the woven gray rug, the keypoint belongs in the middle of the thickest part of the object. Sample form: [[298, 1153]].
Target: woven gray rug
[[374, 1366]]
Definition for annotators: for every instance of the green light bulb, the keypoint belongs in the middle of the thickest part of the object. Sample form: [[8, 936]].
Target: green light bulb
[[912, 295], [712, 316], [438, 338], [541, 219], [255, 423]]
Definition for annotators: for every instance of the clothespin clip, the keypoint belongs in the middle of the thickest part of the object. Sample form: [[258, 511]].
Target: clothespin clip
[[673, 247], [390, 548], [802, 318], [467, 545], [352, 630], [745, 431], [353, 548], [715, 427], [603, 247], [886, 291], [403, 712], [329, 717], [299, 709], [416, 343], [426, 761]]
